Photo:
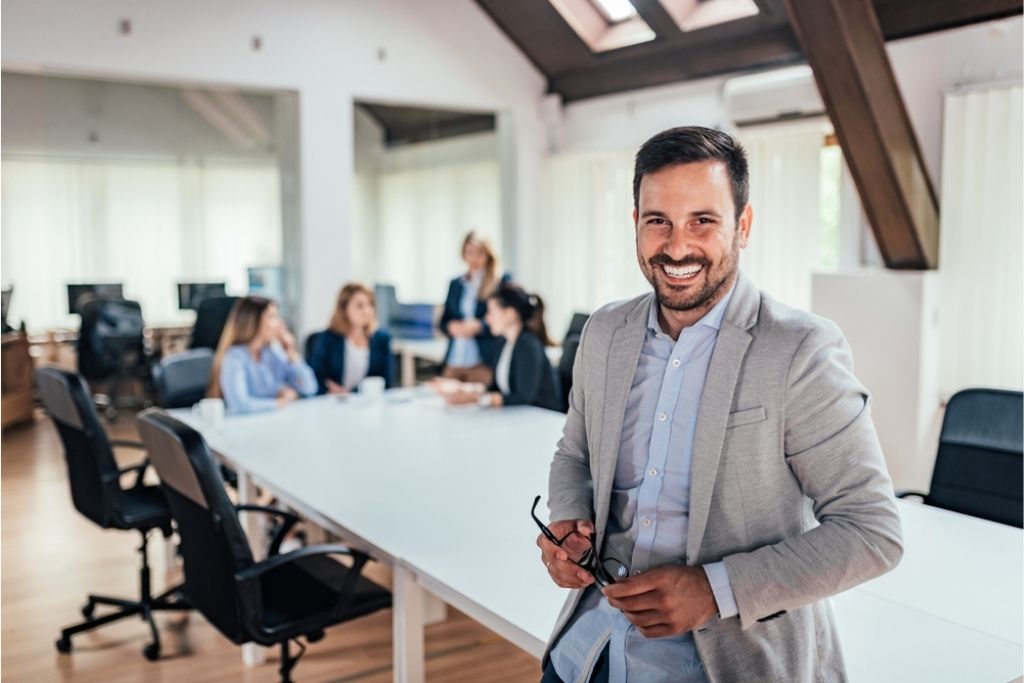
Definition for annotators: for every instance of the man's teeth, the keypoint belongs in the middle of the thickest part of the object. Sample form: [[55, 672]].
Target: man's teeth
[[688, 271]]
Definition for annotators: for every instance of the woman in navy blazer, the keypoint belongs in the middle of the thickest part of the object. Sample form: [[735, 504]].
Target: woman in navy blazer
[[471, 345], [351, 348], [522, 373]]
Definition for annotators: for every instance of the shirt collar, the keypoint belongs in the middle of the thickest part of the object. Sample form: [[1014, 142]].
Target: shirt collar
[[712, 318]]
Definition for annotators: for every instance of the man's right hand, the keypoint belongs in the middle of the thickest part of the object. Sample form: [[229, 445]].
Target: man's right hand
[[563, 571]]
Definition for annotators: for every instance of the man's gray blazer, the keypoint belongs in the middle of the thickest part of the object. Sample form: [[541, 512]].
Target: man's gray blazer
[[788, 483]]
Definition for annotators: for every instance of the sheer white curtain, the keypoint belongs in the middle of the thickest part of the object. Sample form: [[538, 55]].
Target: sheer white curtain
[[423, 216], [585, 249], [148, 224], [981, 241], [785, 172]]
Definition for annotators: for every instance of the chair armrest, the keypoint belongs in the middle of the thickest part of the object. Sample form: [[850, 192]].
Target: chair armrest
[[347, 591], [919, 494], [139, 468], [288, 520], [126, 443]]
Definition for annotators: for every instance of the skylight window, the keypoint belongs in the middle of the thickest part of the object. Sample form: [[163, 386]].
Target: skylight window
[[616, 11], [691, 15], [604, 24]]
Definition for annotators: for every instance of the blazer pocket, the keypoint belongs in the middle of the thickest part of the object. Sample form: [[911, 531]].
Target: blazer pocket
[[746, 416]]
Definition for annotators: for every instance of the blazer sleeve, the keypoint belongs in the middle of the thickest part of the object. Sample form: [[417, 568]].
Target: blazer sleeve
[[832, 449], [451, 307], [570, 485], [526, 374], [318, 362]]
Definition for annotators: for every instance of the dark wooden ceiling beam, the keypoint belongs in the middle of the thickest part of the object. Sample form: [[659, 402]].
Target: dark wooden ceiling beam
[[845, 47], [654, 14], [906, 18]]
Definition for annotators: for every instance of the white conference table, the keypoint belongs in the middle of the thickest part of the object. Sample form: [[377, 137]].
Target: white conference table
[[434, 350], [443, 496]]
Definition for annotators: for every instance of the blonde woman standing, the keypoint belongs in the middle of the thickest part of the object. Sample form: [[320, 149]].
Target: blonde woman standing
[[471, 344]]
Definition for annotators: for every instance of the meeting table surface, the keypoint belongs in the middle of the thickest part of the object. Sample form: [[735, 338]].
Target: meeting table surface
[[445, 494]]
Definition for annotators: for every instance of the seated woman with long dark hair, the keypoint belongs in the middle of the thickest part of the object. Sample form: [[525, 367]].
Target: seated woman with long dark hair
[[256, 366], [522, 372], [351, 348]]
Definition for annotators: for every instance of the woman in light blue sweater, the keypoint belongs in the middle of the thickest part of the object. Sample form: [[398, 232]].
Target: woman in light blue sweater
[[257, 366]]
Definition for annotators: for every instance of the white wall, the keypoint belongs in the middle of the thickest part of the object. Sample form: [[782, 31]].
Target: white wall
[[445, 53]]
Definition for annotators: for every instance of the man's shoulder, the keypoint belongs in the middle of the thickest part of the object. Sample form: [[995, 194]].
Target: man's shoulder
[[613, 315], [783, 325]]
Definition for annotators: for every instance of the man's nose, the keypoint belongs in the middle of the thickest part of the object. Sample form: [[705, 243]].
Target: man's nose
[[678, 244]]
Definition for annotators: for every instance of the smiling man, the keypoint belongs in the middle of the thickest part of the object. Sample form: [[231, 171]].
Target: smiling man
[[719, 475]]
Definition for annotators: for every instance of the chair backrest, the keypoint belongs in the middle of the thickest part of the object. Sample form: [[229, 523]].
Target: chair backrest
[[579, 320], [211, 316], [110, 337], [92, 470], [568, 359], [978, 469], [213, 544], [181, 379]]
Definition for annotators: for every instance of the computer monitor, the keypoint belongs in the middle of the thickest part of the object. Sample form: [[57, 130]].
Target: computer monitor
[[80, 293], [191, 294]]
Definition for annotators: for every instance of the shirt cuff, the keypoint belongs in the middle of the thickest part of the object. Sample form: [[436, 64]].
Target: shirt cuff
[[722, 589]]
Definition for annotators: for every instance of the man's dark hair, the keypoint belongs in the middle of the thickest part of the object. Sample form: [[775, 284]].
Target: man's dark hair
[[689, 144]]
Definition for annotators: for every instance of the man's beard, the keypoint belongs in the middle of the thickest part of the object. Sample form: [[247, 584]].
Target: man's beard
[[715, 278]]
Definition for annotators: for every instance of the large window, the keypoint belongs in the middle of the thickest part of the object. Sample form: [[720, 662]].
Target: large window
[[148, 224]]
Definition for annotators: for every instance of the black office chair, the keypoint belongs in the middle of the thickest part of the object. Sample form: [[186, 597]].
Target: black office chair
[[181, 380], [978, 469], [211, 316], [270, 602], [97, 493], [565, 363], [111, 350], [576, 325]]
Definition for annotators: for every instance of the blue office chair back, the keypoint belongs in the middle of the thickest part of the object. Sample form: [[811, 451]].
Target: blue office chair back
[[92, 470], [978, 469], [182, 379], [213, 545]]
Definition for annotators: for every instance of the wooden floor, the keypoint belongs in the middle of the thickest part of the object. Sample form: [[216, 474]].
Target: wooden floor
[[52, 557]]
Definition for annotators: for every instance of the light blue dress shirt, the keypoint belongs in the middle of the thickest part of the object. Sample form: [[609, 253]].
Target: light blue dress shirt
[[251, 386], [649, 514], [465, 352]]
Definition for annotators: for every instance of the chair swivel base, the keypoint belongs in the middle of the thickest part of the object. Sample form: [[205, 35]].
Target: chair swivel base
[[125, 608]]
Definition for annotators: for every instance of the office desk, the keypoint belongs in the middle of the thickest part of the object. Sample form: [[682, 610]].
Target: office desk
[[443, 496]]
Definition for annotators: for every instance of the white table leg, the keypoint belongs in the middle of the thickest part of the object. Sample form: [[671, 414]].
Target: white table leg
[[408, 368], [407, 621], [252, 654]]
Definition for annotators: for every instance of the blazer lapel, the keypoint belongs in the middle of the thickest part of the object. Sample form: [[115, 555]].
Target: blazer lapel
[[623, 356], [716, 402]]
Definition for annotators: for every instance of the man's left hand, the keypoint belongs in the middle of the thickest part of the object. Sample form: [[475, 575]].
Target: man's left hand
[[664, 601]]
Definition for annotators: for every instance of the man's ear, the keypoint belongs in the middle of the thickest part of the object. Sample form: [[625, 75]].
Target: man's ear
[[743, 226], [635, 217]]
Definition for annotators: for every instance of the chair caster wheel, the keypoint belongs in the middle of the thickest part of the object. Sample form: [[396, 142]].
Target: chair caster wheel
[[151, 652], [88, 610], [63, 645]]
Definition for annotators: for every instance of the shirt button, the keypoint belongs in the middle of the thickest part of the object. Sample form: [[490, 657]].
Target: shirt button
[[647, 521], [636, 572], [676, 363], [662, 417], [653, 472]]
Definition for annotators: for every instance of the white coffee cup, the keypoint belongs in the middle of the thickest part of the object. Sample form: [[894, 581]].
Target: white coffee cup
[[372, 388], [211, 412]]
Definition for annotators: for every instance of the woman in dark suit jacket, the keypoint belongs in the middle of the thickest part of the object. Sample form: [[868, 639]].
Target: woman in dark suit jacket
[[522, 373], [351, 348], [471, 344]]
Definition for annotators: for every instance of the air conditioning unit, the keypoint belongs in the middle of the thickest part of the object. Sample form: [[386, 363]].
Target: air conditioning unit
[[789, 93]]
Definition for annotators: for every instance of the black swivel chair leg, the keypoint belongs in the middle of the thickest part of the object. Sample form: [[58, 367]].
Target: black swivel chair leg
[[145, 606], [287, 661]]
